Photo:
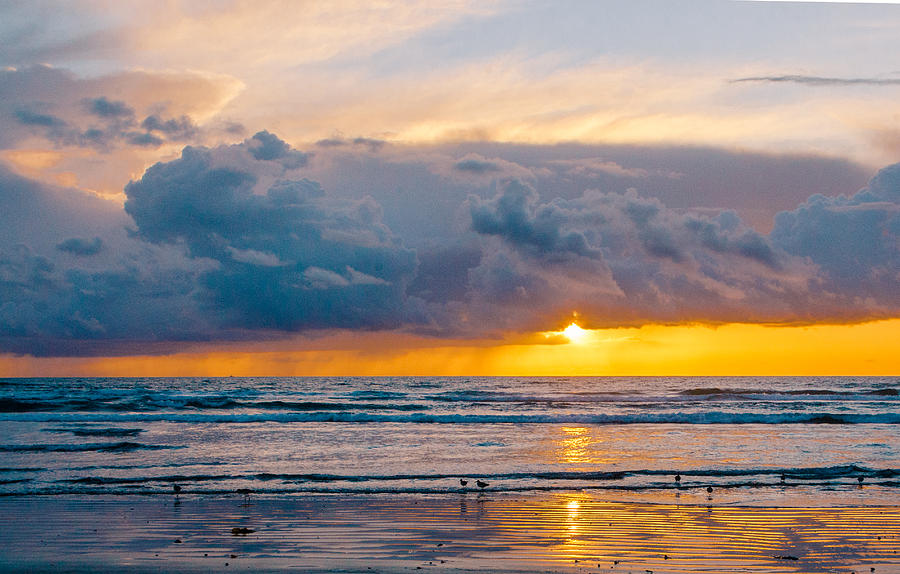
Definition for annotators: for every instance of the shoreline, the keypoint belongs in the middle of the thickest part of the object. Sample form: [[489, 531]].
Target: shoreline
[[465, 532]]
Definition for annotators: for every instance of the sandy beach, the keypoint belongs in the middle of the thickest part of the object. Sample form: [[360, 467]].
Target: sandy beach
[[565, 532]]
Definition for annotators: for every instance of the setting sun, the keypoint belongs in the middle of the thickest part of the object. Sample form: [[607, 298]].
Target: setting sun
[[575, 334]]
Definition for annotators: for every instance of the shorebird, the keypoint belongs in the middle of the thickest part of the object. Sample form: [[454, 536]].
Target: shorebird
[[709, 489], [176, 489], [678, 478], [463, 482], [481, 484], [859, 479]]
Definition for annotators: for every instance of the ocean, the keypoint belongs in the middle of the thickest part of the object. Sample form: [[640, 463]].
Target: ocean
[[753, 440]]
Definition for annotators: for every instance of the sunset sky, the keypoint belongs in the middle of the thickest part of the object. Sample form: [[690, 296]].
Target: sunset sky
[[398, 188]]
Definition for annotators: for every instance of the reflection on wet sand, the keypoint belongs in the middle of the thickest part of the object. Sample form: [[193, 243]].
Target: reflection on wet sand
[[473, 531]]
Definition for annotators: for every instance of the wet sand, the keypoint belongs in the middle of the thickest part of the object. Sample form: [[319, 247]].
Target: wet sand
[[570, 532]]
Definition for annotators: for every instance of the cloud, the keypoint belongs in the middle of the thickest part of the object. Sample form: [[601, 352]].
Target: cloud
[[514, 215], [443, 272], [286, 256], [819, 81], [593, 167], [72, 282], [80, 246], [223, 246], [371, 144], [66, 110], [176, 129], [854, 241], [106, 108], [621, 258], [477, 166], [49, 309], [30, 118], [268, 147]]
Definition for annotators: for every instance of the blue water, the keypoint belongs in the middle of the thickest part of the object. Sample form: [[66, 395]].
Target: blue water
[[752, 439]]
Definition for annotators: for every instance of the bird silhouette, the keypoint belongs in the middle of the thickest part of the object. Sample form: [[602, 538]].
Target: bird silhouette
[[463, 482], [481, 483], [677, 478], [860, 479], [176, 489], [709, 489]]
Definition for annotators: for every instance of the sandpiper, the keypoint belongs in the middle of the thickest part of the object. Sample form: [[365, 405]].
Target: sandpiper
[[481, 484]]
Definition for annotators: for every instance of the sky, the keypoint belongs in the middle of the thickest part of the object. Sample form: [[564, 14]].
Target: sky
[[441, 188]]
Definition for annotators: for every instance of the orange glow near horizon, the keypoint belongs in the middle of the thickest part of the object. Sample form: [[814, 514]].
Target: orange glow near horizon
[[734, 349]]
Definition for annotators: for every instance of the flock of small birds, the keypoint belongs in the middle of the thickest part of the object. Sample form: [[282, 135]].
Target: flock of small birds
[[479, 483], [246, 492]]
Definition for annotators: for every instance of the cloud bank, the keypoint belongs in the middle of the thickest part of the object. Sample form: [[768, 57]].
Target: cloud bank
[[239, 242]]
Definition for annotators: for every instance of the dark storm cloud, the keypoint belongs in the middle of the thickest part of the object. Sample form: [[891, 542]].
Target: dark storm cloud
[[514, 215], [81, 246], [287, 258], [443, 272], [51, 310], [224, 247], [854, 241], [820, 81], [64, 294], [832, 258], [620, 257]]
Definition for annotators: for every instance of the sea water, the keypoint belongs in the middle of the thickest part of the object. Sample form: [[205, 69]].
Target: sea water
[[765, 440]]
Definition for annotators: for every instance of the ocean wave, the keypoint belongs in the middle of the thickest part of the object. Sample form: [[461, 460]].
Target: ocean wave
[[689, 395], [96, 447], [828, 473], [118, 403], [369, 395], [701, 418], [435, 489], [110, 432], [792, 393]]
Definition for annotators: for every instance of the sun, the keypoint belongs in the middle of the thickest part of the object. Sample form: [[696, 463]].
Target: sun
[[575, 334]]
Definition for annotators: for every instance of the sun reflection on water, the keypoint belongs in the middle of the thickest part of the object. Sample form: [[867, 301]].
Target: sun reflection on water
[[580, 446]]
